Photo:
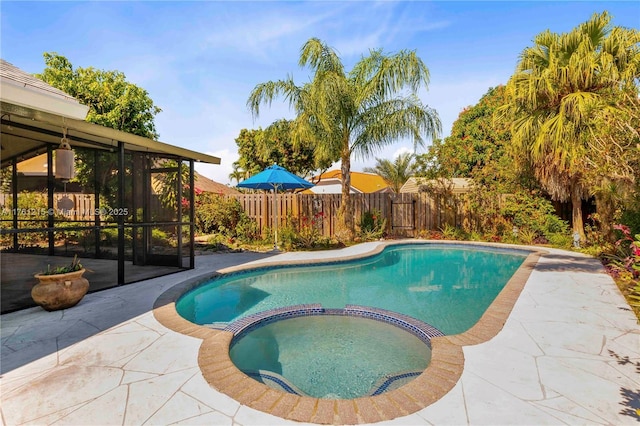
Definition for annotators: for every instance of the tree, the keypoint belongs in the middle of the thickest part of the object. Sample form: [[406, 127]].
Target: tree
[[475, 143], [563, 87], [476, 149], [249, 162], [260, 149], [357, 112], [395, 172], [167, 183], [615, 173], [237, 174], [113, 102]]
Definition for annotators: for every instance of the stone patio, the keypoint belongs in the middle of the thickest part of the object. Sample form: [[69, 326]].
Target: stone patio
[[569, 353]]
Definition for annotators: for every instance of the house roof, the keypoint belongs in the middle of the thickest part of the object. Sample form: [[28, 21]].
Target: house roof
[[416, 184], [34, 115], [360, 182], [205, 184], [21, 88], [11, 72]]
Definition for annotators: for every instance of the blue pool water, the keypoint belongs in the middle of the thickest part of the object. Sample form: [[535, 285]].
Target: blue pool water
[[447, 286], [330, 356]]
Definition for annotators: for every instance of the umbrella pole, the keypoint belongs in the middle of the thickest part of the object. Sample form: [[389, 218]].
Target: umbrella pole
[[275, 218]]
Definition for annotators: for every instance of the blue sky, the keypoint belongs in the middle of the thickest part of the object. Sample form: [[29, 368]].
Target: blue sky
[[200, 60]]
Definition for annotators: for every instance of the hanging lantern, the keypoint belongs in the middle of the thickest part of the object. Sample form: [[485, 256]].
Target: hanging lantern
[[65, 161]]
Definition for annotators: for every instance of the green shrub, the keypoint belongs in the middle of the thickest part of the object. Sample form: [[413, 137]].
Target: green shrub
[[288, 234], [560, 240], [109, 236], [309, 231], [372, 225], [302, 234], [475, 236], [218, 214], [532, 212], [450, 232], [161, 238], [624, 265], [32, 213], [631, 217], [526, 236], [217, 242], [247, 230]]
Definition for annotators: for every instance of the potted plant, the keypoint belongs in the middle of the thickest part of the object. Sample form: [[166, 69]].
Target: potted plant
[[61, 287]]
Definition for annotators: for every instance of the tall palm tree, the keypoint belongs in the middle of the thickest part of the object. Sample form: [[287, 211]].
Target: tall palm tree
[[395, 172], [355, 112], [561, 88]]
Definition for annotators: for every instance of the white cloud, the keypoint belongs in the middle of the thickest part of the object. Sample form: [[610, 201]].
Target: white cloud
[[219, 172], [260, 34], [401, 150]]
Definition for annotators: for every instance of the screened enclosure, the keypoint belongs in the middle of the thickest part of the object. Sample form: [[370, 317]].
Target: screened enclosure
[[127, 210]]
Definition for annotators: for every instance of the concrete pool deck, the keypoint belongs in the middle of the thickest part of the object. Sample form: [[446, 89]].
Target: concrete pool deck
[[569, 353]]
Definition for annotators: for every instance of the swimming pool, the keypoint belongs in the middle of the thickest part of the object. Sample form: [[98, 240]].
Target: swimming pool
[[446, 286], [440, 377]]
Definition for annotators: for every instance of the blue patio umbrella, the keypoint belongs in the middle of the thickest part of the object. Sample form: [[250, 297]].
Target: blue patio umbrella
[[275, 178]]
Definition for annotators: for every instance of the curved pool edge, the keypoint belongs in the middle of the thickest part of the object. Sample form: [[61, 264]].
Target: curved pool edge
[[440, 376]]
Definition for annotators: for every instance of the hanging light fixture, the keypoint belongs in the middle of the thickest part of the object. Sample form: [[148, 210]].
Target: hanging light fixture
[[65, 160]]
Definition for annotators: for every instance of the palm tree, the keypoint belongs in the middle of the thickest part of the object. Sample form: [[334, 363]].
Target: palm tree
[[395, 172], [562, 87], [237, 174], [355, 112]]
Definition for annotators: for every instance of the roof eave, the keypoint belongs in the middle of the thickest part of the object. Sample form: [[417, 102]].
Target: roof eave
[[22, 95], [71, 124]]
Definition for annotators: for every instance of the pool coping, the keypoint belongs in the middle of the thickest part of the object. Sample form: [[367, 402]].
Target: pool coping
[[443, 372]]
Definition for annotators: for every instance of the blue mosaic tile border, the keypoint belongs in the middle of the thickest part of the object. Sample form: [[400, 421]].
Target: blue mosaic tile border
[[421, 330], [391, 379], [280, 381], [251, 322]]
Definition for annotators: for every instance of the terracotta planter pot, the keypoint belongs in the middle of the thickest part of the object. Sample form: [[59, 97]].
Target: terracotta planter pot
[[60, 291]]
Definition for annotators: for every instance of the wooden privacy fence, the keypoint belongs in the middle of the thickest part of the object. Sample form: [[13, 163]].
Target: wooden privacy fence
[[405, 214]]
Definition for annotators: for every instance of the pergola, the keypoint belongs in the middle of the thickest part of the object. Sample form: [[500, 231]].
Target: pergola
[[136, 194]]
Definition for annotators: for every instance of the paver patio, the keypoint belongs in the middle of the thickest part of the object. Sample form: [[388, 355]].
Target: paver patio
[[568, 354]]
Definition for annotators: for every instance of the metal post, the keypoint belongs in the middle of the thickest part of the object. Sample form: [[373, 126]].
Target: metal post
[[14, 190], [135, 171], [96, 204], [275, 217], [192, 208], [121, 189], [50, 186], [179, 207]]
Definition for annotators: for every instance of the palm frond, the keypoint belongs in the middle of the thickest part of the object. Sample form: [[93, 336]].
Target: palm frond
[[267, 92]]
